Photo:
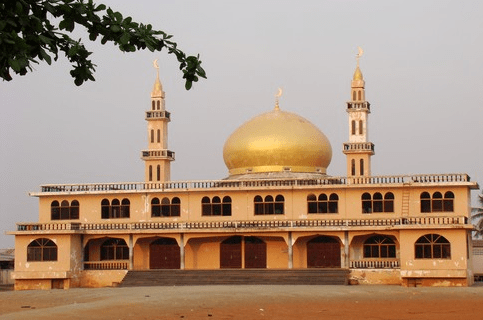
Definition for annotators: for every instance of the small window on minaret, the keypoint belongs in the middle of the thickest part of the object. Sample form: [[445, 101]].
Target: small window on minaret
[[353, 96], [152, 105], [361, 127], [359, 95], [152, 136], [361, 163], [353, 129], [353, 167], [150, 173], [158, 104], [159, 136], [158, 173]]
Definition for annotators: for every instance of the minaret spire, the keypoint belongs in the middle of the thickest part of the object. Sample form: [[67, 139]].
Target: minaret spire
[[157, 158], [358, 150]]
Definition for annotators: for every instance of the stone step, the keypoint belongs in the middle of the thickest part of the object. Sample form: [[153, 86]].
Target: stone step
[[235, 277]]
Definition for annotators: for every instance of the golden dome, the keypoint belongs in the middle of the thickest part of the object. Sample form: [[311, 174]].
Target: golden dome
[[277, 141]]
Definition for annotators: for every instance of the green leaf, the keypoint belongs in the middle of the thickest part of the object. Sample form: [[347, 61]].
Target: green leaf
[[115, 28], [45, 56]]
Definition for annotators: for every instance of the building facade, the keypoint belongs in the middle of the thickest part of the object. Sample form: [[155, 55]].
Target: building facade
[[277, 209]]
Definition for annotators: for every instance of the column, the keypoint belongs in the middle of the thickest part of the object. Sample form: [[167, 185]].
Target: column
[[181, 251], [290, 250], [346, 261], [131, 255]]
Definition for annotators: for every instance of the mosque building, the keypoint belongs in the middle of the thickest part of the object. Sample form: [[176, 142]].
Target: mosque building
[[278, 209]]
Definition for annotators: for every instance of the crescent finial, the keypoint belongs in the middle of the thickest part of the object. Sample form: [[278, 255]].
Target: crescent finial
[[277, 97], [155, 64]]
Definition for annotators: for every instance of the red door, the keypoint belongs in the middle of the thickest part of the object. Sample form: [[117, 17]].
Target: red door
[[255, 253], [230, 253], [323, 252], [164, 253]]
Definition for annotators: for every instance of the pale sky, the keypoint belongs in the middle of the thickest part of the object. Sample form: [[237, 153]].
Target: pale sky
[[422, 63]]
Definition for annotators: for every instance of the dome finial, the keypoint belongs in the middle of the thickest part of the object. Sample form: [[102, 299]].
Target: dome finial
[[277, 97], [158, 87], [358, 73]]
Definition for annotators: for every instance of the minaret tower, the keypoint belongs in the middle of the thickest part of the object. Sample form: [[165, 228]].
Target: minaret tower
[[157, 158], [358, 150]]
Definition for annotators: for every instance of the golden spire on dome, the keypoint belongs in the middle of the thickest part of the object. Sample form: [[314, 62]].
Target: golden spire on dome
[[277, 98], [358, 72], [158, 87]]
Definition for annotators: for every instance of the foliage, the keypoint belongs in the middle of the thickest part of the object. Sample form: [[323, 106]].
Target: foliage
[[477, 215], [33, 30]]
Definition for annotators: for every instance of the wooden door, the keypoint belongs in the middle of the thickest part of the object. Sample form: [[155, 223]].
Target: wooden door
[[323, 252], [255, 253], [164, 253], [230, 253]]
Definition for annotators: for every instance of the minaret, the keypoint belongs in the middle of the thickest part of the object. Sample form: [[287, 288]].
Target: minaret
[[157, 158], [358, 150]]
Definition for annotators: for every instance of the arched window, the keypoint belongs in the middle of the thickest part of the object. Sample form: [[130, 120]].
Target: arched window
[[353, 167], [425, 199], [114, 249], [379, 247], [42, 249], [432, 246], [377, 202], [389, 202], [353, 127], [175, 207], [158, 136], [361, 127], [226, 206], [55, 210], [311, 203], [333, 203], [436, 202], [64, 210], [152, 105], [206, 206], [150, 173], [322, 204], [353, 96], [105, 209], [158, 103], [125, 211], [152, 135], [115, 209], [258, 203], [359, 95], [155, 208], [361, 166], [269, 205], [366, 203], [158, 173], [216, 207], [448, 202]]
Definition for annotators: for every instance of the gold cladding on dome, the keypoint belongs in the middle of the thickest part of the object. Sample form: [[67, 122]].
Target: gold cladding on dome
[[358, 74], [277, 141]]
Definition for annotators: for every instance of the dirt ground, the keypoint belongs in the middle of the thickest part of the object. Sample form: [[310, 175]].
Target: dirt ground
[[245, 302]]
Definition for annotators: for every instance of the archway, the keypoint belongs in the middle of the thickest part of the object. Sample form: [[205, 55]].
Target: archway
[[164, 253], [323, 252]]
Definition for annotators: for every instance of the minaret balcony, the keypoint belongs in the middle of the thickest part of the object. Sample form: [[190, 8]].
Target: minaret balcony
[[157, 154], [152, 115], [356, 106], [361, 147]]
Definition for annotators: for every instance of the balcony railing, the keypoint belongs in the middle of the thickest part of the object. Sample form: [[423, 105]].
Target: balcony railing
[[158, 154], [248, 224], [106, 265], [236, 184], [158, 114], [375, 264]]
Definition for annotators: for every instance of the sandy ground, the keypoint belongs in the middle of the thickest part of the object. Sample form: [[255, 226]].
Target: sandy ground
[[245, 302]]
